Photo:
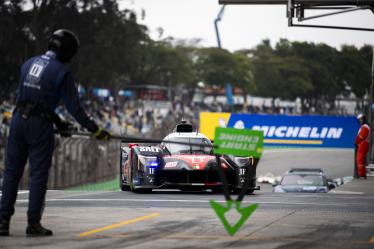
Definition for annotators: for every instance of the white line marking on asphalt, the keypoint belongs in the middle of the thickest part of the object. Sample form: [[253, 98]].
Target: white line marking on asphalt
[[302, 150], [342, 192], [340, 197], [19, 192], [193, 201]]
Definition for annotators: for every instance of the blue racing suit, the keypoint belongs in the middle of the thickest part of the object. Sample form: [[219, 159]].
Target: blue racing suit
[[44, 81]]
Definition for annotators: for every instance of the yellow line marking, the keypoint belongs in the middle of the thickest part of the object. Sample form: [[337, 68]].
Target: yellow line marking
[[116, 225], [372, 240], [284, 141]]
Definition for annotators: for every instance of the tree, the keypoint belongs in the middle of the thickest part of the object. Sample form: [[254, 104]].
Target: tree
[[354, 68], [316, 66], [162, 64], [14, 46], [111, 46], [268, 78], [110, 38], [216, 66], [244, 74]]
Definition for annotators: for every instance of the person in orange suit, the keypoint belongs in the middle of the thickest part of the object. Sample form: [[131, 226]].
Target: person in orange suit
[[362, 142]]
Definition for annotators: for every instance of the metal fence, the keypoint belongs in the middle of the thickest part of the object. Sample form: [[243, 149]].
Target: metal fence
[[76, 161], [79, 161], [82, 161]]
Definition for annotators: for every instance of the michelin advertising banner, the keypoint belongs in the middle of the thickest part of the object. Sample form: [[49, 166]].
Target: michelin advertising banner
[[284, 130]]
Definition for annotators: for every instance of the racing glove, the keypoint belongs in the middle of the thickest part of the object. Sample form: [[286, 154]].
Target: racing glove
[[101, 134], [65, 128]]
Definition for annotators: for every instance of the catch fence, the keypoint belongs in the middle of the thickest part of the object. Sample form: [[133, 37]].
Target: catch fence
[[82, 163], [78, 161]]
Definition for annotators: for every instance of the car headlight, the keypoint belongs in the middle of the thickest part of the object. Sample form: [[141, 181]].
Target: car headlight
[[148, 162]]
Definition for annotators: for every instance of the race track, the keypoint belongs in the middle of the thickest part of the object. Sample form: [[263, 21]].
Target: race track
[[170, 219], [334, 162]]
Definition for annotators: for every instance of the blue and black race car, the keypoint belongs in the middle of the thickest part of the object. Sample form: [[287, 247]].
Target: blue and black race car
[[183, 160]]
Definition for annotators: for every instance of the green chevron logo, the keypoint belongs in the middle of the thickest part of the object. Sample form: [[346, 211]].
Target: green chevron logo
[[245, 213]]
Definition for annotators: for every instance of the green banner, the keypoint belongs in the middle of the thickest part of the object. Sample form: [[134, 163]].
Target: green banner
[[238, 142]]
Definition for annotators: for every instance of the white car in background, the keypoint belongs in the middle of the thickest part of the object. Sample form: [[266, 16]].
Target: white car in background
[[304, 180]]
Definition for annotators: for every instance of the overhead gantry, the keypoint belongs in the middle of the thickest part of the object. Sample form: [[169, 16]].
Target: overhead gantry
[[296, 10]]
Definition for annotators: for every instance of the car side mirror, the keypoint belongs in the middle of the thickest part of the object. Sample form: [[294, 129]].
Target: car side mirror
[[275, 183]]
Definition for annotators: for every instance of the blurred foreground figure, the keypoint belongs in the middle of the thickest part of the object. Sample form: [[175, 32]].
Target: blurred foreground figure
[[362, 143], [44, 81]]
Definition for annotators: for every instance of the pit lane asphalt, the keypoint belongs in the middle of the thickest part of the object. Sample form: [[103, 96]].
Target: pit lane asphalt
[[170, 219]]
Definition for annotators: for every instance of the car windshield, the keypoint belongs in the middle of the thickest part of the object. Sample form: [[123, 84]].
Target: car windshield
[[189, 149], [313, 180]]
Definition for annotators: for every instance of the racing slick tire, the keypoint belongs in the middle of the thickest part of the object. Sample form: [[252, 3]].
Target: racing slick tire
[[138, 190], [124, 187], [218, 190], [250, 191], [238, 190], [143, 191]]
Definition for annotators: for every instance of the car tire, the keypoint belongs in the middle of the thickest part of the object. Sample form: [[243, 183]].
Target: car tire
[[250, 191], [124, 187], [143, 190], [238, 190], [217, 190], [132, 187], [139, 190]]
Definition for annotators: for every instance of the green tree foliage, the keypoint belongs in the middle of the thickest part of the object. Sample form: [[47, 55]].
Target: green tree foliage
[[110, 38], [14, 45], [279, 73], [355, 68], [320, 62], [268, 78], [315, 73], [294, 70], [161, 63], [244, 73], [216, 66], [116, 51]]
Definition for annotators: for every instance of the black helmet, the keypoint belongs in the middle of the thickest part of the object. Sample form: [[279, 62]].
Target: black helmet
[[64, 43]]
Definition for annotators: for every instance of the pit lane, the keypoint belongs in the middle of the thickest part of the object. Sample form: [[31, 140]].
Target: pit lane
[[170, 219]]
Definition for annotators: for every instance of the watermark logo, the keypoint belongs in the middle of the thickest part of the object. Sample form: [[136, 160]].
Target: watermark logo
[[244, 212]]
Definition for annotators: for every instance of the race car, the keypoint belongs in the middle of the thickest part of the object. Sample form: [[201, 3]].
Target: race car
[[189, 165]]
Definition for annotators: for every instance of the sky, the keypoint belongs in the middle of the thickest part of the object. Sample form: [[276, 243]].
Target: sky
[[244, 26]]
